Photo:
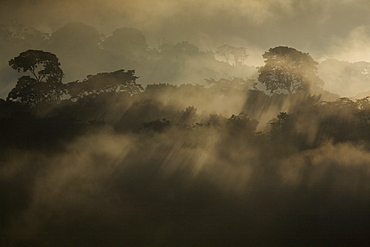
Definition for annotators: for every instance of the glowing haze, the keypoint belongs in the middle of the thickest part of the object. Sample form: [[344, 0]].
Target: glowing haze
[[200, 157], [325, 29]]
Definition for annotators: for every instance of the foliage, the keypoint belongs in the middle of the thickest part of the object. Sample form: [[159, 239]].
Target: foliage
[[158, 162], [242, 125], [44, 66], [280, 123], [288, 70], [46, 83], [153, 158], [157, 125], [118, 81], [30, 92]]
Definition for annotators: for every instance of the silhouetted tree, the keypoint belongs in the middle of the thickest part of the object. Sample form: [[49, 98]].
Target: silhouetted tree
[[108, 82], [344, 120], [44, 66], [287, 69], [284, 136], [46, 83], [281, 122], [241, 125]]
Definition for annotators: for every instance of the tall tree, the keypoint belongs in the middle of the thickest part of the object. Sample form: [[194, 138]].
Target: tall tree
[[288, 70], [46, 83], [44, 66]]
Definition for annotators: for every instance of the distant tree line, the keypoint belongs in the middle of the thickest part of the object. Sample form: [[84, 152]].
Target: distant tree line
[[83, 50], [46, 83], [115, 99]]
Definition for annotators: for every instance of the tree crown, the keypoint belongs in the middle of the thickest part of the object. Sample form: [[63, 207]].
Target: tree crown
[[287, 69], [44, 66]]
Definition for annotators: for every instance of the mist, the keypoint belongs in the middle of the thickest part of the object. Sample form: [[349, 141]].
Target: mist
[[325, 29], [136, 123]]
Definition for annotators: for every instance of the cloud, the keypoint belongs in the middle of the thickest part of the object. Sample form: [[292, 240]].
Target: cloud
[[339, 169], [306, 25], [325, 29], [354, 47], [252, 22]]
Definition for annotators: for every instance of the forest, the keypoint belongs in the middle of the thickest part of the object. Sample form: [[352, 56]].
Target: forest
[[105, 141]]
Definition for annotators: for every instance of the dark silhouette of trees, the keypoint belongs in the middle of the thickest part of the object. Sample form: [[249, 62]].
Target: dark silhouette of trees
[[288, 70], [15, 38], [316, 123], [281, 123], [108, 82], [83, 50], [44, 66], [241, 125], [157, 125], [344, 120], [46, 83], [282, 130]]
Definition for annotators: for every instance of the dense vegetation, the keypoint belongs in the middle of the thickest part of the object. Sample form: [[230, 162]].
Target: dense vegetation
[[105, 162]]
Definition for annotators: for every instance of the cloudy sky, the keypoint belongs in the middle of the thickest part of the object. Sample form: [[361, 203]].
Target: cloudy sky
[[324, 28]]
